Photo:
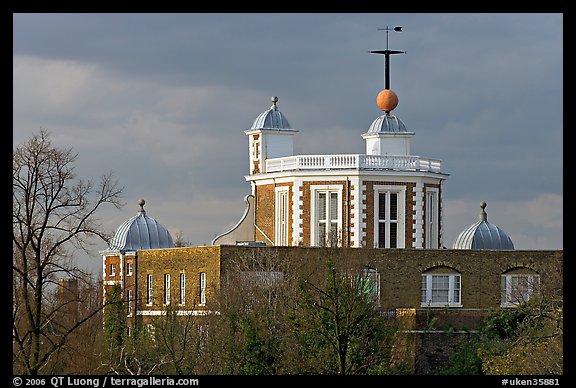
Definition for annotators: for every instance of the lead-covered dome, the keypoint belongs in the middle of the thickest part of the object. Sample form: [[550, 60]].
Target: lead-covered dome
[[387, 123], [271, 119], [141, 232], [483, 235]]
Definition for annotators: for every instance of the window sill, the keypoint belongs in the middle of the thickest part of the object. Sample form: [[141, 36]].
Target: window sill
[[441, 305]]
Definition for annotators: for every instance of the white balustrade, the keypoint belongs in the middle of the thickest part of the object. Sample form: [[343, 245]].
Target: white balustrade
[[361, 162]]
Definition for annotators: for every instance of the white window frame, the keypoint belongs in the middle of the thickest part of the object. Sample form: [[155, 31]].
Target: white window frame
[[263, 279], [202, 288], [400, 222], [130, 297], [149, 289], [113, 269], [432, 218], [128, 269], [281, 216], [426, 291], [314, 229], [151, 329], [166, 289], [511, 300], [182, 288], [373, 275]]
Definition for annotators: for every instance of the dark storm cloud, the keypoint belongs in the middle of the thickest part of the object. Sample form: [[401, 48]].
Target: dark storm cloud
[[163, 100]]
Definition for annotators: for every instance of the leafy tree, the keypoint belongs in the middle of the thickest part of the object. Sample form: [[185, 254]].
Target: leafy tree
[[338, 330], [53, 215], [465, 360], [251, 325], [526, 340], [114, 321]]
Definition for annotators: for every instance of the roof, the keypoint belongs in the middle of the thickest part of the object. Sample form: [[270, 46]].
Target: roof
[[483, 235], [141, 232], [271, 119], [387, 123]]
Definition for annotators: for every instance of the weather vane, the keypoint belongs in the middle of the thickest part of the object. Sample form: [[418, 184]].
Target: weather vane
[[387, 54]]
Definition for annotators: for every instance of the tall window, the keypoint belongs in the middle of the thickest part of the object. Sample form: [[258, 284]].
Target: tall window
[[369, 284], [389, 216], [166, 288], [281, 217], [326, 221], [182, 288], [130, 296], [202, 288], [128, 269], [440, 289], [112, 269], [149, 289], [518, 288], [432, 218]]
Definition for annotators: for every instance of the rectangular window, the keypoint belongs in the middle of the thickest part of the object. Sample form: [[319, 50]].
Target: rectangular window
[[518, 288], [149, 289], [166, 288], [202, 288], [151, 331], [262, 279], [182, 288], [281, 221], [327, 219], [369, 284], [130, 296], [440, 290], [388, 216], [129, 269], [112, 269], [432, 218]]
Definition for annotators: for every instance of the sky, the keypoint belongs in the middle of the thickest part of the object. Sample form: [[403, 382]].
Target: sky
[[162, 100]]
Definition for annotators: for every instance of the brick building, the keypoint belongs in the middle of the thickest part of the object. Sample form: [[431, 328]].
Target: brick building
[[380, 213], [454, 287], [384, 198]]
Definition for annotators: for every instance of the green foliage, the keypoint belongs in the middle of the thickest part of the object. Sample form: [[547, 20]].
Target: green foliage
[[524, 340], [260, 350], [250, 342], [502, 324], [465, 361], [337, 328], [114, 320]]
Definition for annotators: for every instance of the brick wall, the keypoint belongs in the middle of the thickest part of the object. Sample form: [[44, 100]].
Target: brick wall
[[190, 260], [265, 212], [422, 346], [401, 269], [435, 350]]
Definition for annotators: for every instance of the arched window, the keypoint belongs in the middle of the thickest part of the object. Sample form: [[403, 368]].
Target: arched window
[[441, 287], [518, 286]]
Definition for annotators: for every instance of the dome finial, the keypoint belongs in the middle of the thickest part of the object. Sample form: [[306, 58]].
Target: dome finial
[[274, 100], [141, 202], [483, 216]]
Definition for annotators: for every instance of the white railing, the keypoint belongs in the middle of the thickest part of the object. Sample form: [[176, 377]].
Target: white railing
[[360, 162]]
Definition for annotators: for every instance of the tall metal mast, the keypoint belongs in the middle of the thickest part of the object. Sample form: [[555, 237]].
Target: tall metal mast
[[387, 54]]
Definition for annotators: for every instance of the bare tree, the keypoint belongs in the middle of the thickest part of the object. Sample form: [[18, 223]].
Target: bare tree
[[180, 241], [53, 216]]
